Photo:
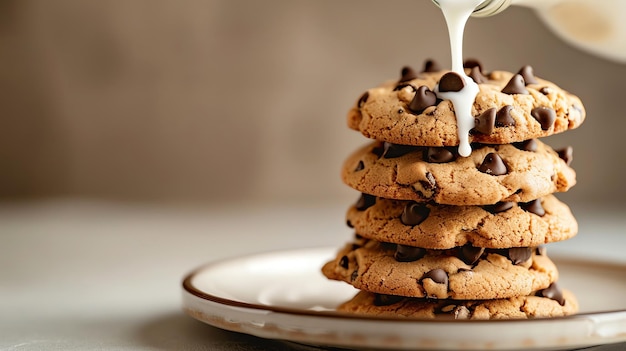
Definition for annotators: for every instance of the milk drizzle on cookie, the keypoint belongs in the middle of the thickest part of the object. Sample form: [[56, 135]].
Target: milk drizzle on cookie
[[456, 13]]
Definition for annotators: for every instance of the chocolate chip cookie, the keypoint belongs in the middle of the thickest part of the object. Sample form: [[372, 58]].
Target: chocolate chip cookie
[[492, 173], [550, 302], [510, 107], [503, 225], [463, 273]]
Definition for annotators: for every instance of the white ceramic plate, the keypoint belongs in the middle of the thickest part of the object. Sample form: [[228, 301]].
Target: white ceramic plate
[[283, 295]]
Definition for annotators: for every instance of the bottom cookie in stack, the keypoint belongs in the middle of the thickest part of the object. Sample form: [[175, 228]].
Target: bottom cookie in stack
[[550, 302]]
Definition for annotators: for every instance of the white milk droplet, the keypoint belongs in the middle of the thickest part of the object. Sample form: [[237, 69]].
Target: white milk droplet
[[456, 13]]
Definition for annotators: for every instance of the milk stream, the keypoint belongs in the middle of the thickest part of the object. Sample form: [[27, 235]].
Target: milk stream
[[456, 13]]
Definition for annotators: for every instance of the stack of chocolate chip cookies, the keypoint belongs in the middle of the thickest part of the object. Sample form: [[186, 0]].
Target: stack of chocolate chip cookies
[[441, 235]]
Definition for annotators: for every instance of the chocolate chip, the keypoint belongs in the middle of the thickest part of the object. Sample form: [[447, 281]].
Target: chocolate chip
[[432, 183], [527, 145], [504, 118], [363, 99], [365, 201], [431, 66], [533, 207], [473, 63], [378, 150], [407, 74], [451, 82], [476, 70], [354, 275], [414, 213], [438, 275], [438, 155], [429, 184], [470, 254], [566, 154], [499, 207], [545, 90], [545, 116], [485, 123], [349, 224], [527, 73], [406, 253], [396, 150], [515, 86], [477, 76], [519, 255], [553, 292], [386, 300], [360, 166], [344, 262], [422, 99], [493, 164], [540, 250]]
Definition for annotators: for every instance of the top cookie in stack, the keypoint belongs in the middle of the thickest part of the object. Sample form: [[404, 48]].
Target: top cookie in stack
[[433, 226], [509, 108]]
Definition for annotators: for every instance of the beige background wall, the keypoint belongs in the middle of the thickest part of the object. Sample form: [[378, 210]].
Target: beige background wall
[[245, 99]]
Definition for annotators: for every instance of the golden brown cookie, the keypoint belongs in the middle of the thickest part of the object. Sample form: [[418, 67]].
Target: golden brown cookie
[[507, 224], [464, 273], [491, 174], [508, 108], [561, 303]]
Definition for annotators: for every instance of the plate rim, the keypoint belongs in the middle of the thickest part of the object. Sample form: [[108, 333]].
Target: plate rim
[[187, 285]]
